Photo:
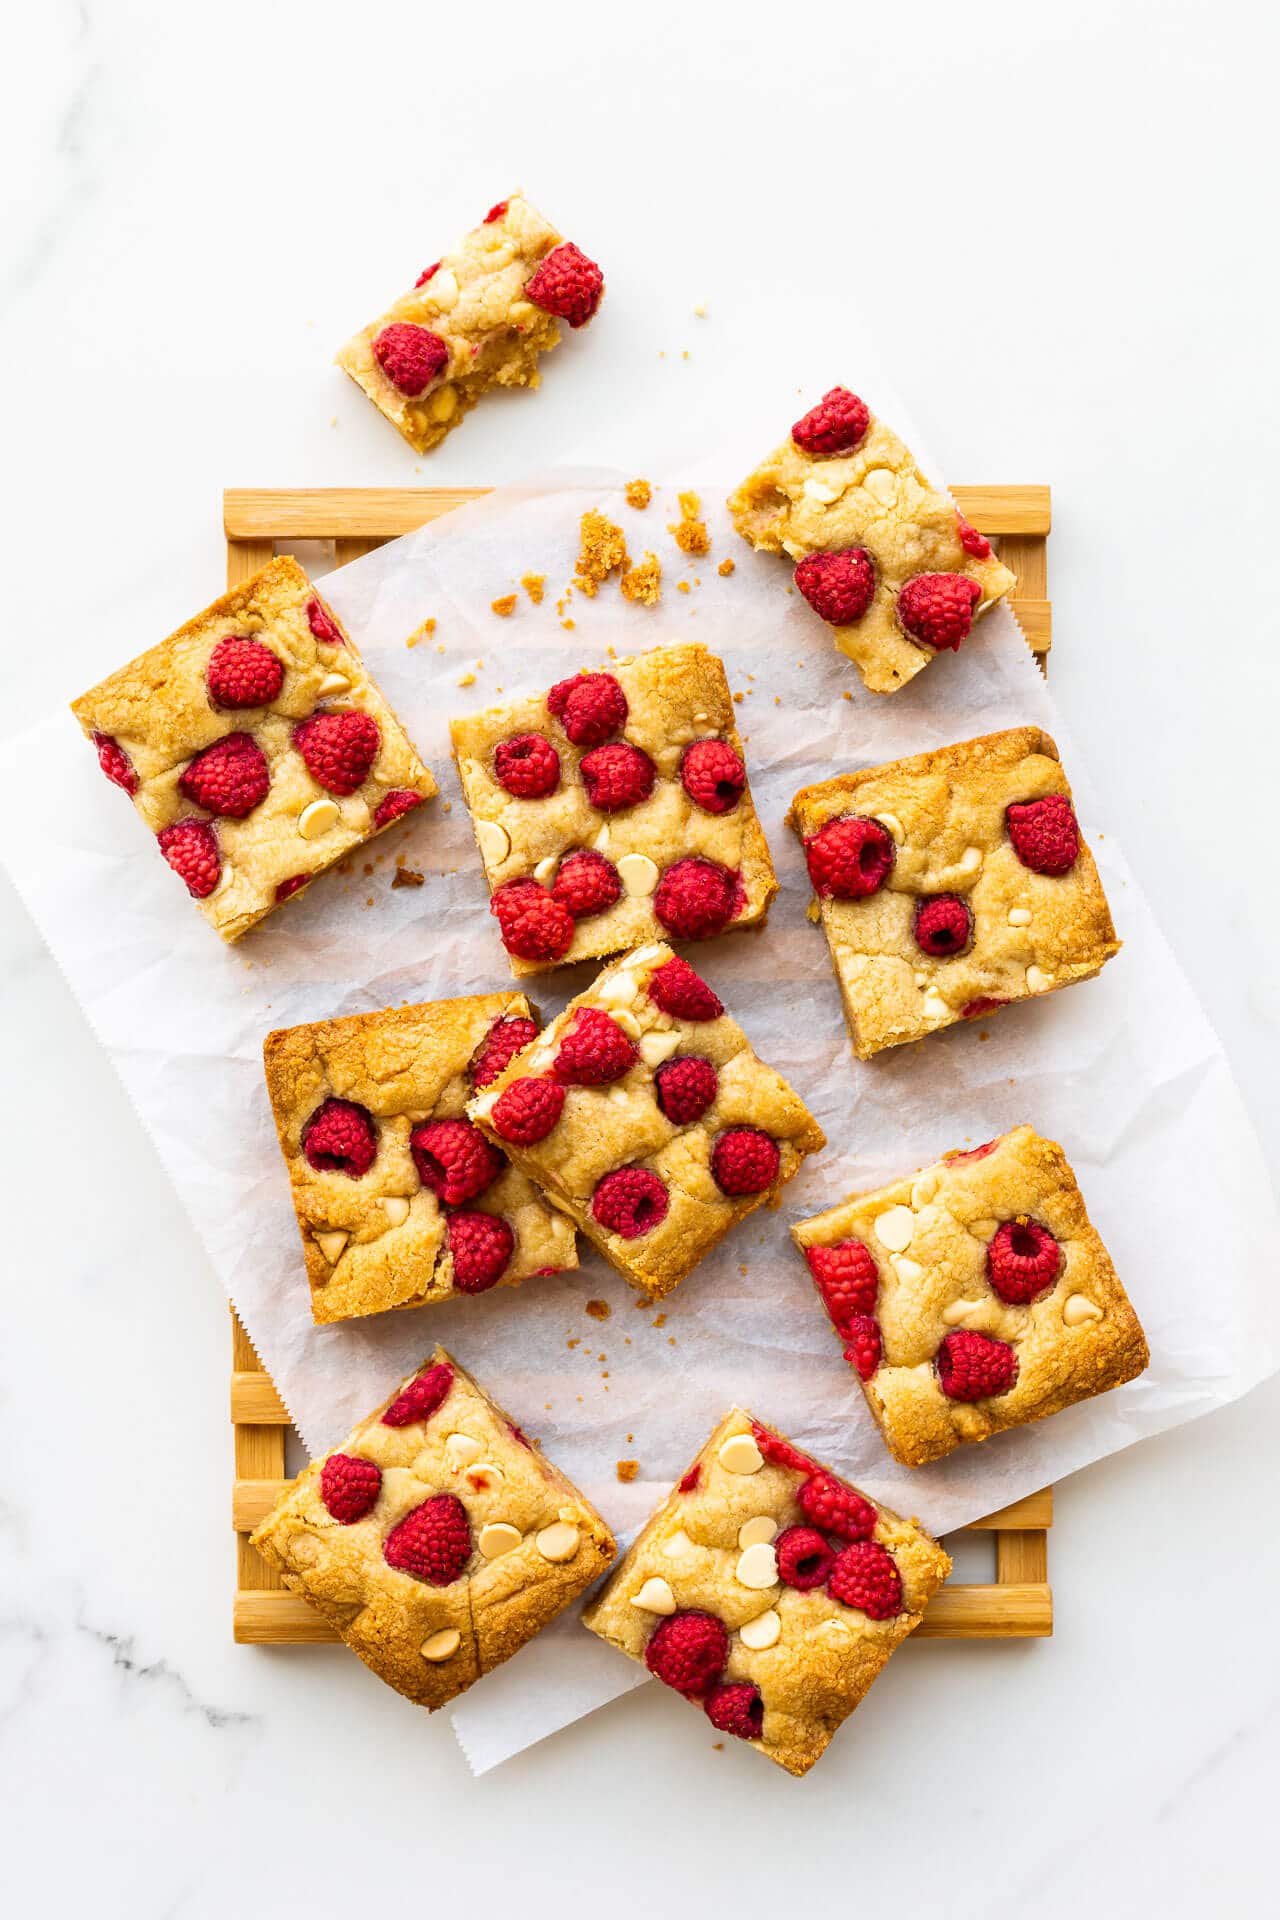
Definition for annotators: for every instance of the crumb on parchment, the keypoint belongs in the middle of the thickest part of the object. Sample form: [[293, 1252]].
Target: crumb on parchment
[[407, 877], [627, 1470], [534, 585], [643, 582], [602, 550], [690, 529], [503, 607], [424, 632], [727, 567], [598, 1309], [639, 494]]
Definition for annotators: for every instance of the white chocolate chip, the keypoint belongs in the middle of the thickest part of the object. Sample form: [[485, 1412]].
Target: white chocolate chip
[[638, 874], [601, 840], [442, 405], [757, 1566], [1078, 1308], [970, 860], [935, 1007], [396, 1208], [331, 1245], [894, 1228], [657, 1047], [442, 1645], [983, 1229], [645, 956], [1037, 980], [924, 1187], [497, 1538], [655, 1596], [908, 1271], [624, 1018], [546, 869], [462, 1449], [881, 484], [618, 990], [1019, 916], [761, 1632], [619, 1096], [958, 1312], [921, 980], [894, 826], [482, 1474], [759, 1530], [442, 289], [822, 493], [679, 1546], [838, 1629], [559, 1541], [793, 549], [740, 1454], [494, 841], [331, 684], [318, 818]]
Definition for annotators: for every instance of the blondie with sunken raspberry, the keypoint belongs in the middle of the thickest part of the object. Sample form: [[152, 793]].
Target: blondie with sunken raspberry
[[951, 883], [400, 1200], [436, 1540], [769, 1592], [884, 557], [973, 1296], [643, 1112], [615, 808], [255, 747], [480, 317]]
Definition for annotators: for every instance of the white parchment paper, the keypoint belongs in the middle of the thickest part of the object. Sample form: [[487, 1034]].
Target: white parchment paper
[[1124, 1070]]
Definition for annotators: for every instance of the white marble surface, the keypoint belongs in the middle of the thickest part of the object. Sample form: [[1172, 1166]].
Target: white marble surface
[[1066, 207]]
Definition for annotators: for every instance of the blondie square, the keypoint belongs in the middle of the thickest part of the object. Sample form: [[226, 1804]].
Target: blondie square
[[255, 747], [478, 318], [400, 1201], [952, 883], [436, 1540], [882, 556], [973, 1296], [614, 809], [643, 1113], [769, 1592]]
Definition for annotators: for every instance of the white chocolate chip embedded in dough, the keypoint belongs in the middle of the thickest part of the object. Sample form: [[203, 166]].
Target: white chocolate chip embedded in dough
[[958, 1312], [757, 1566], [638, 874], [740, 1454], [762, 1632], [793, 549], [657, 1047], [331, 1245], [624, 1018], [557, 1542], [924, 1187], [462, 1449], [655, 1596], [1019, 916], [317, 819], [908, 1271], [679, 1546], [619, 991], [892, 823], [442, 405], [497, 1538], [759, 1530], [1038, 981], [545, 871], [822, 493], [331, 684], [442, 289], [396, 1208], [970, 860], [882, 484], [894, 1228], [483, 1474], [442, 1645], [1078, 1308], [601, 840], [645, 956], [494, 841], [935, 1007]]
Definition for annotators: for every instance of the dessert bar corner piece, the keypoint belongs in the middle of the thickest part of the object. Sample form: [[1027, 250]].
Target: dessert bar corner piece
[[436, 1540], [973, 1296], [255, 747], [614, 809], [644, 1114], [884, 557], [400, 1201], [480, 317], [952, 883], [768, 1592]]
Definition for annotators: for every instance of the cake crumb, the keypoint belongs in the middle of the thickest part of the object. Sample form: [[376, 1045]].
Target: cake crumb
[[727, 567], [407, 877], [568, 625], [627, 1470], [534, 585], [602, 550], [700, 309], [661, 1320], [690, 529], [504, 607], [846, 695], [424, 632], [466, 679], [682, 586], [639, 494], [598, 1309], [737, 699], [574, 1343], [643, 583]]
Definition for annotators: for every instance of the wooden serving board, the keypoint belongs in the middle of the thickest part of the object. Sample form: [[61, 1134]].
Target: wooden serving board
[[1018, 1604]]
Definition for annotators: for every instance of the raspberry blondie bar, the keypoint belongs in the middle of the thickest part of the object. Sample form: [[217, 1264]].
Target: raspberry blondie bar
[[882, 556], [769, 1592], [973, 1296], [951, 883], [615, 808], [400, 1201], [478, 318], [255, 747], [643, 1113], [436, 1540]]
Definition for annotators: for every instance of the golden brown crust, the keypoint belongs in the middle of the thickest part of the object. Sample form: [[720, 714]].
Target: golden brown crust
[[1033, 933], [605, 1127], [674, 696], [1079, 1338], [404, 1065], [826, 1654], [385, 1615]]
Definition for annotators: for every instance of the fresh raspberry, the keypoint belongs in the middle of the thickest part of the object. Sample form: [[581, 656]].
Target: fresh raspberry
[[697, 898], [937, 608], [838, 586], [481, 1245], [534, 925], [115, 762], [630, 1201], [394, 805], [847, 1278], [713, 775], [688, 1651], [243, 673], [835, 425], [617, 776], [340, 1137], [736, 1707], [495, 213], [866, 1576], [338, 748], [1023, 1260], [691, 1479], [943, 925], [1045, 833], [454, 1159], [685, 1088], [850, 857], [294, 884], [745, 1160], [323, 625], [589, 707], [421, 1398], [350, 1486], [973, 1366], [586, 883], [864, 1349], [780, 1452], [974, 1009], [684, 994], [433, 1542], [594, 1050], [527, 765], [504, 1040], [426, 274], [231, 777], [566, 284], [827, 1503], [959, 1155], [527, 1110], [191, 848], [804, 1558], [974, 543], [410, 356]]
